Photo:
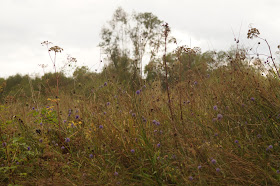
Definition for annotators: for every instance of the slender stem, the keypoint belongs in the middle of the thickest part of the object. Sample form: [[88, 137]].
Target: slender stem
[[166, 79]]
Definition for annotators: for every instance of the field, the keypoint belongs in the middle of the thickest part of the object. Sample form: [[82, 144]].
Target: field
[[224, 130], [195, 118]]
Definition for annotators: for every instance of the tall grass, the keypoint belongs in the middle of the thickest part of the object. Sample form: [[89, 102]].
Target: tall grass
[[227, 133]]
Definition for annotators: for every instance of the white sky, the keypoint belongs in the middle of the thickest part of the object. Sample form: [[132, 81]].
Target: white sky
[[75, 26]]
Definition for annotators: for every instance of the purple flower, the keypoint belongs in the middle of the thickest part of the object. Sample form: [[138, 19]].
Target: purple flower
[[91, 156], [41, 123], [62, 148], [105, 84], [218, 169], [133, 114], [195, 83], [33, 108], [138, 92], [277, 171], [252, 99], [4, 144], [191, 178], [215, 107], [116, 173], [199, 167], [67, 140], [144, 119], [269, 147], [158, 145], [28, 148], [101, 126], [156, 122], [77, 117], [132, 151], [108, 103], [72, 125], [213, 161], [219, 116], [236, 141], [216, 134], [259, 136], [40, 140]]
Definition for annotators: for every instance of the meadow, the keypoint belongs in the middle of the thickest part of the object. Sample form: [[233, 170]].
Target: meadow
[[188, 122]]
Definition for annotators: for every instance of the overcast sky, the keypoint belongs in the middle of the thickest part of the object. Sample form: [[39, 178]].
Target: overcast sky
[[75, 26]]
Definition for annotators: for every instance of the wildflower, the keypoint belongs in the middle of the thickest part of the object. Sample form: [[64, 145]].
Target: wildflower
[[199, 167], [64, 121], [219, 116], [4, 144], [91, 156], [116, 173], [191, 178], [269, 147], [195, 83], [41, 123], [218, 169], [158, 145], [108, 103], [216, 134], [62, 148], [156, 122], [17, 163], [105, 84], [132, 151], [138, 92], [77, 117], [33, 108], [215, 107], [259, 136], [144, 119], [67, 140], [133, 114], [40, 140], [213, 161], [28, 148], [101, 126], [72, 125], [104, 113], [252, 99], [236, 141], [277, 171]]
